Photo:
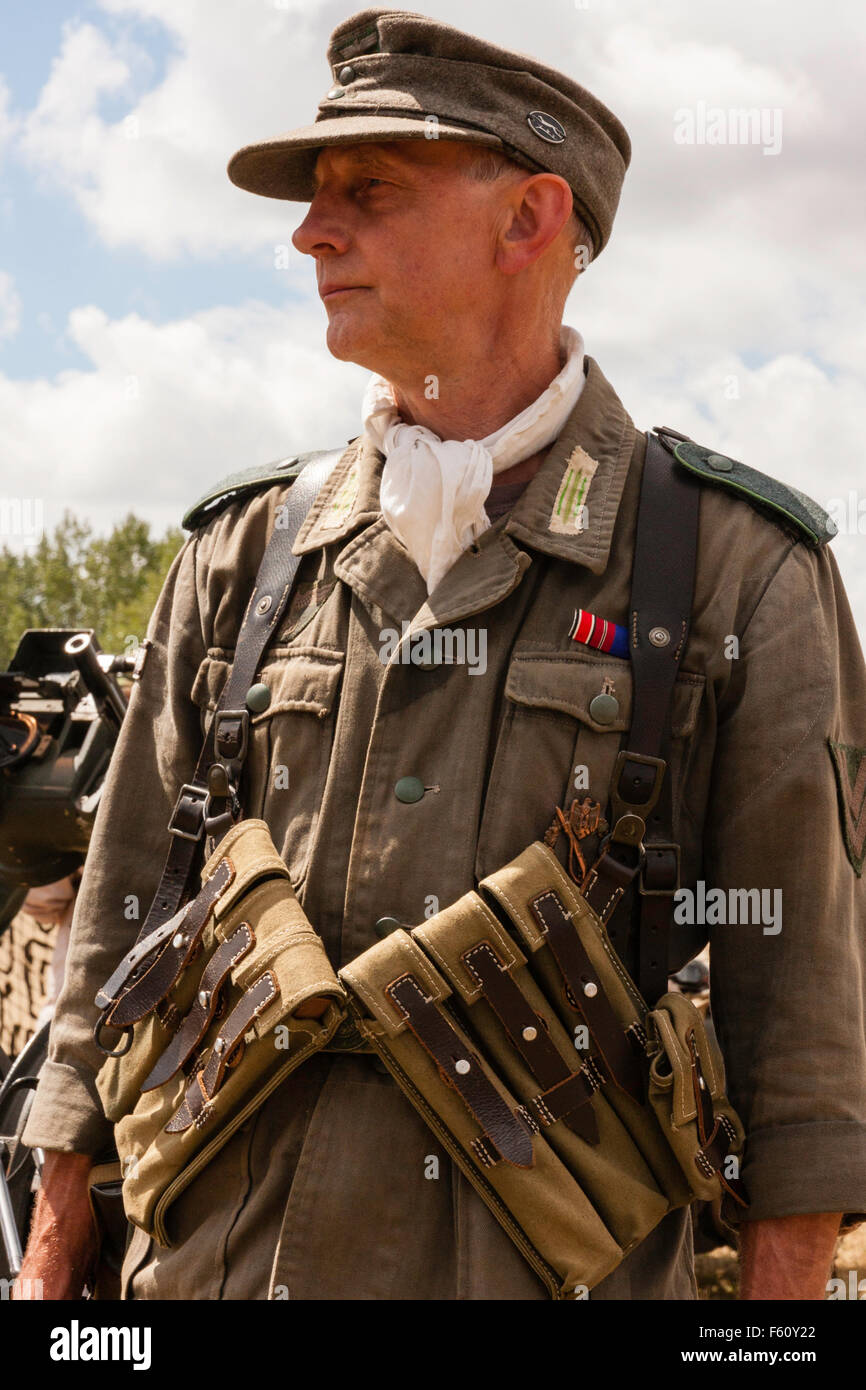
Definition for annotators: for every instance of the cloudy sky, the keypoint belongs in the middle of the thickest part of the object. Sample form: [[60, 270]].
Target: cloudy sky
[[149, 343]]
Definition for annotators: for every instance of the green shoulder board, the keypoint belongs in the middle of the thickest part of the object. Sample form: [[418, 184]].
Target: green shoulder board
[[784, 503], [246, 481]]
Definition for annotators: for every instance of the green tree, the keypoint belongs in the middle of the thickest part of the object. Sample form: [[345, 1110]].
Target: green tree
[[75, 579]]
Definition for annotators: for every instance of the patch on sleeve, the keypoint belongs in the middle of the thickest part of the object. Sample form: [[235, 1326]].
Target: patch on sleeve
[[850, 765], [569, 515]]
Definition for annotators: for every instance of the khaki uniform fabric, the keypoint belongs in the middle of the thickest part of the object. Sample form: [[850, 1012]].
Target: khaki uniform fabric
[[331, 1191]]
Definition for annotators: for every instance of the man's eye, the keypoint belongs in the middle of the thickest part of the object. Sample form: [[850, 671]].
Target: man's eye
[[372, 183]]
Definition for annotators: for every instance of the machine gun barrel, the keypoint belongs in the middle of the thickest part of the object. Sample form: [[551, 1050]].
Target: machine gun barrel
[[104, 690]]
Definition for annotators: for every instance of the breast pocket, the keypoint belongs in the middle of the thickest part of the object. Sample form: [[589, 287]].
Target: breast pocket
[[290, 743], [558, 741]]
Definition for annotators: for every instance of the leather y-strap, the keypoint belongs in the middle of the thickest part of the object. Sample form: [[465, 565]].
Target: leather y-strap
[[228, 729], [641, 798]]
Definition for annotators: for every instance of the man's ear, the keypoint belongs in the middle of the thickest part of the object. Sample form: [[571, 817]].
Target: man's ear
[[537, 209]]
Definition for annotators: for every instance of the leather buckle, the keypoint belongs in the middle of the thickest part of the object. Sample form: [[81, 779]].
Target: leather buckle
[[645, 791], [188, 817], [231, 734], [664, 872]]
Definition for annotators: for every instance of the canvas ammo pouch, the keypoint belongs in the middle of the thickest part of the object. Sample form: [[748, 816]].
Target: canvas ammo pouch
[[579, 1116], [213, 1022]]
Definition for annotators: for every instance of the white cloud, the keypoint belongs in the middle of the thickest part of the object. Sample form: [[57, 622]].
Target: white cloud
[[8, 123], [154, 179], [10, 306], [165, 410]]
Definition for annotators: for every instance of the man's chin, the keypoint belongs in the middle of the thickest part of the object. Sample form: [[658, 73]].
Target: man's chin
[[348, 342]]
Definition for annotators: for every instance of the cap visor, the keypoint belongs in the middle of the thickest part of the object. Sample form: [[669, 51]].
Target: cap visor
[[283, 167]]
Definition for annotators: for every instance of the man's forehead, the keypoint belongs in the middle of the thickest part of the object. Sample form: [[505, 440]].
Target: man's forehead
[[392, 154]]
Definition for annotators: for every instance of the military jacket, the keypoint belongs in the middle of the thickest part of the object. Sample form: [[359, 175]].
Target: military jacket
[[335, 1189]]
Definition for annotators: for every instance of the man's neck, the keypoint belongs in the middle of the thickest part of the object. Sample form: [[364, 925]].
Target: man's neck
[[522, 472], [473, 400]]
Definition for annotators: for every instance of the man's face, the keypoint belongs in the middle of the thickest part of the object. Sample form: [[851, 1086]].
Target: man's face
[[404, 245]]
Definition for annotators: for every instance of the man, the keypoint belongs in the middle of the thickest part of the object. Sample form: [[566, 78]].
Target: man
[[444, 264]]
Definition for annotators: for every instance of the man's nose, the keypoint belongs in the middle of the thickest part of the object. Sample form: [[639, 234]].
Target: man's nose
[[323, 229]]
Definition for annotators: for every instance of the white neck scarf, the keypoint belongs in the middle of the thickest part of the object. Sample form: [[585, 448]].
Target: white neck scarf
[[433, 490]]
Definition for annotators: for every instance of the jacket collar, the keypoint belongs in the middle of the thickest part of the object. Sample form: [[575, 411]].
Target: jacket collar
[[569, 508]]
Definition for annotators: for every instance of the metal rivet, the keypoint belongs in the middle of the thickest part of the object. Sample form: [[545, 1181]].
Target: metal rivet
[[702, 1083], [462, 1066], [720, 463], [530, 1034], [659, 636], [203, 998], [346, 75], [219, 1046], [604, 708], [179, 941], [257, 699], [630, 829], [263, 604], [590, 989]]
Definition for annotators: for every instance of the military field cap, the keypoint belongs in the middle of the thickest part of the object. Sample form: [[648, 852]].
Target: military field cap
[[402, 76]]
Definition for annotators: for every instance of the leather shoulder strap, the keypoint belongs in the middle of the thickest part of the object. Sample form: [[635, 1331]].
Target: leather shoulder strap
[[641, 805], [204, 801]]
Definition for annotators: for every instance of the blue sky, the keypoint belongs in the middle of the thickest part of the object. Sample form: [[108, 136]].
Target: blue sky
[[57, 259]]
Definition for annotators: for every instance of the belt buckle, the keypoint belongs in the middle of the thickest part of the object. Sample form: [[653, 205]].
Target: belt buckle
[[192, 802], [673, 885], [622, 805]]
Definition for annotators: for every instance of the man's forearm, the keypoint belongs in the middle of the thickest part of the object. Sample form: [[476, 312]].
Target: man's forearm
[[63, 1240], [787, 1257]]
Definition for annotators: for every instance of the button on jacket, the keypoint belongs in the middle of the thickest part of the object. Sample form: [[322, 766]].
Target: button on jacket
[[390, 786]]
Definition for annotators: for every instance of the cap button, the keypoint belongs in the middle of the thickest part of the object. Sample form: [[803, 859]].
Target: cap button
[[604, 709], [346, 75]]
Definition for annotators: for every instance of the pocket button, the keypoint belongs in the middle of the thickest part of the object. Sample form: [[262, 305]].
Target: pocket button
[[409, 789], [604, 709], [258, 697]]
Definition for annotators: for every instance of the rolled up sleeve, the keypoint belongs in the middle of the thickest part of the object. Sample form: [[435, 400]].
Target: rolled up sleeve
[[156, 751], [789, 990]]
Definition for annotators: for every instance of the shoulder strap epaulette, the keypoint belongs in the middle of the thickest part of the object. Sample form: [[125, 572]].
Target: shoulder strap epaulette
[[246, 481], [780, 501]]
